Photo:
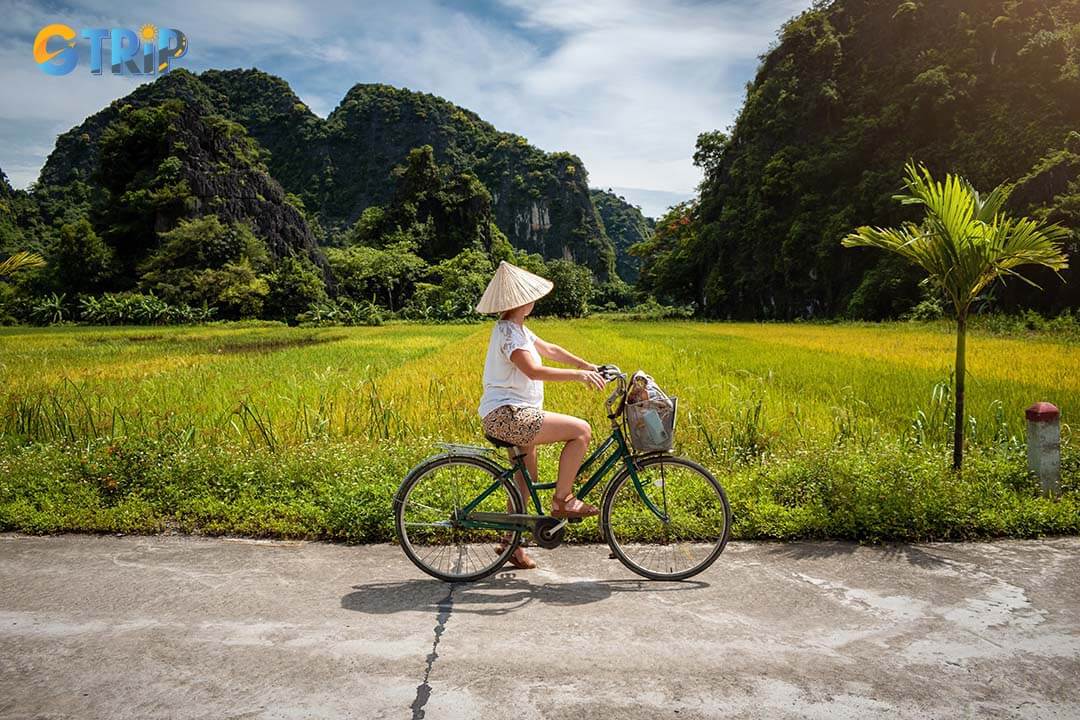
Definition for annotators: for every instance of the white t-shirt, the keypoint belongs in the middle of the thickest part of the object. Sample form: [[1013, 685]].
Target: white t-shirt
[[504, 383]]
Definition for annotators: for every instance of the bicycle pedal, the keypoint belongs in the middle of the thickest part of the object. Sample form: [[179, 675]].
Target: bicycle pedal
[[574, 520]]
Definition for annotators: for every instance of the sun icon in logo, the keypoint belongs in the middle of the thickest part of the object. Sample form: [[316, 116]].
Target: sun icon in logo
[[148, 32]]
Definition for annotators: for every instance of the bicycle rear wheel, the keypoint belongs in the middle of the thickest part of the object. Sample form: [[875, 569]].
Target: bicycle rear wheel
[[426, 518], [691, 530]]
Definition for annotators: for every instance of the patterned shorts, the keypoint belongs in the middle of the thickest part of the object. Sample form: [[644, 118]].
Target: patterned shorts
[[517, 425]]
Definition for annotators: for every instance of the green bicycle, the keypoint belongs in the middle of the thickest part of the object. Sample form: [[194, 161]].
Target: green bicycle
[[664, 517]]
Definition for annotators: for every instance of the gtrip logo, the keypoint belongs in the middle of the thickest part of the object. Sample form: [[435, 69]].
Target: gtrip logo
[[147, 52]]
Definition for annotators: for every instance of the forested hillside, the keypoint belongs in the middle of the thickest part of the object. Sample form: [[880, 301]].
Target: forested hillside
[[625, 226], [223, 191], [852, 90], [341, 166]]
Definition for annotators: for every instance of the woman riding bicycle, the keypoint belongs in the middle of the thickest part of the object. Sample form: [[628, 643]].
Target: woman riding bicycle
[[513, 397]]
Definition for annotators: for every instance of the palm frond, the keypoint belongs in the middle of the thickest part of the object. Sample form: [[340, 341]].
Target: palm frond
[[966, 241], [20, 261]]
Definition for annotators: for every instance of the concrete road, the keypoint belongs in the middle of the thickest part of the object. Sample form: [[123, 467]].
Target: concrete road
[[177, 627]]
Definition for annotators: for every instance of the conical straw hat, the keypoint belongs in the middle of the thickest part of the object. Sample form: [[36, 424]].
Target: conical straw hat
[[512, 287]]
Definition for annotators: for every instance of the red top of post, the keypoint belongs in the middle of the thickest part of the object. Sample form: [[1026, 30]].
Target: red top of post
[[1042, 412]]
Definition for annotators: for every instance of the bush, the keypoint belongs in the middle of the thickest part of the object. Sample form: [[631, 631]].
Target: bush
[[615, 294], [340, 311], [928, 309], [11, 305], [138, 309], [1065, 326], [51, 310], [572, 292], [319, 490], [652, 310], [294, 285]]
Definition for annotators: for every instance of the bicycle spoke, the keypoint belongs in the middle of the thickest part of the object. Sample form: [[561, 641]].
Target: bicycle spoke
[[411, 503], [432, 553], [454, 489], [456, 567]]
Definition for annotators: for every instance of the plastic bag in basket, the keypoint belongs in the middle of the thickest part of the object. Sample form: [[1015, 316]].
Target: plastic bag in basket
[[650, 415]]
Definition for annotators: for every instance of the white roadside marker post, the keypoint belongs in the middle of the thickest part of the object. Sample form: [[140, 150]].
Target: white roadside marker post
[[1044, 445]]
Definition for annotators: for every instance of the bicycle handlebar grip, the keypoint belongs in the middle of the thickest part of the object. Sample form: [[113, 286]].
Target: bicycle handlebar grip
[[609, 372]]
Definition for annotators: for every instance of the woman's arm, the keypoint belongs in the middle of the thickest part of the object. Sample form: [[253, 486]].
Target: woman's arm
[[554, 352], [533, 370]]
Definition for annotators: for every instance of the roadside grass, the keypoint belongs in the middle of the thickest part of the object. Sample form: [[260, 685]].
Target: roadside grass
[[815, 431], [341, 491]]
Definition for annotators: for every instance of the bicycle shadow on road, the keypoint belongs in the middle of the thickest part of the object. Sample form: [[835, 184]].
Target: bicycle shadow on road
[[505, 593]]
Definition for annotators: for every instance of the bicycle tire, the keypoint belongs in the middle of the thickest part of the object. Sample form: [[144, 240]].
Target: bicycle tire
[[415, 477], [616, 547]]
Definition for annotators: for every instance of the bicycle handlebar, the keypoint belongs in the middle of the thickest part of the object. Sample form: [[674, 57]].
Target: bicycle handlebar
[[612, 373]]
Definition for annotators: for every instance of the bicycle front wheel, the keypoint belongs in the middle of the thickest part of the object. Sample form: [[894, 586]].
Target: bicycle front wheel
[[684, 530], [426, 518]]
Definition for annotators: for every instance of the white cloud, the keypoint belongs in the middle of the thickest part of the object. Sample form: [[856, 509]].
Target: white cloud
[[625, 84], [641, 80]]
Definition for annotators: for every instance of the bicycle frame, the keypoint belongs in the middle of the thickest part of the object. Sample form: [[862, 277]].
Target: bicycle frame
[[622, 453]]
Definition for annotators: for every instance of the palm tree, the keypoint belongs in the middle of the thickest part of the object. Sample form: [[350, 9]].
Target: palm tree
[[20, 261], [965, 242]]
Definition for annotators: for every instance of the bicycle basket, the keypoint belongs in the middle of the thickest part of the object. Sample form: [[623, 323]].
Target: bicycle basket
[[649, 415]]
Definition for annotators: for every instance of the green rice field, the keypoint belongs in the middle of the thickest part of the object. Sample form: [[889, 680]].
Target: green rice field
[[264, 430]]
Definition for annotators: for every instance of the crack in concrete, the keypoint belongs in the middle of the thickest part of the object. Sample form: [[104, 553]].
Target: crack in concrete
[[423, 690]]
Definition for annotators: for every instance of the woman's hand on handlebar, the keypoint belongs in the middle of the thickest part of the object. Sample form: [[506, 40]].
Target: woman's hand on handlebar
[[592, 379]]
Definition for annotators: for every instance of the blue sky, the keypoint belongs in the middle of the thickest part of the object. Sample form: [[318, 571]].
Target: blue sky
[[626, 85]]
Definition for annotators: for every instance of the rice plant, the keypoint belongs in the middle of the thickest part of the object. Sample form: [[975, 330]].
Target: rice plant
[[803, 422]]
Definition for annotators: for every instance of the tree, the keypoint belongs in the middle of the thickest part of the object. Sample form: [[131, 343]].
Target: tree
[[572, 292], [206, 262], [671, 259], [575, 284], [377, 274], [295, 284], [143, 183], [368, 229], [966, 241], [443, 210], [80, 260], [710, 150], [236, 289], [453, 287]]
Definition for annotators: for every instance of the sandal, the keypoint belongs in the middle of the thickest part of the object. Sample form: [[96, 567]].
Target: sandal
[[571, 507], [524, 562]]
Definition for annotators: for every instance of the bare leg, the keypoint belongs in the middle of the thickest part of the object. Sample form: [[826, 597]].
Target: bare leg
[[530, 464], [577, 434]]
